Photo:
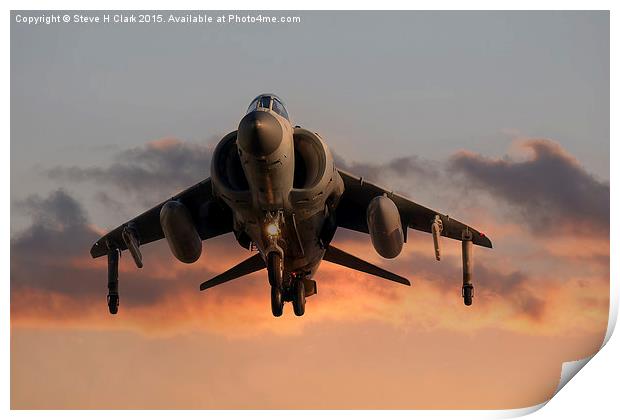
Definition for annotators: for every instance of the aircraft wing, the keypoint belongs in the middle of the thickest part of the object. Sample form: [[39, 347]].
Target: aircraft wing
[[351, 212], [210, 218]]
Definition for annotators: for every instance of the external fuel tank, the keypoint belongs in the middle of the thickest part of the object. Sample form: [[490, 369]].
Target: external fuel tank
[[180, 232], [384, 227]]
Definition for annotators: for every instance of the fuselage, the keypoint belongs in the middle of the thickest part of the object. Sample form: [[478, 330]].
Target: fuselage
[[281, 184]]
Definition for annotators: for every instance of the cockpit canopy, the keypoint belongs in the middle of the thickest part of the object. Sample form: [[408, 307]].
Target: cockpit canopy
[[268, 101]]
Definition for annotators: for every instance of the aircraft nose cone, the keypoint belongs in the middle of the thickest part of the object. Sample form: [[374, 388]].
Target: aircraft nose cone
[[259, 133]]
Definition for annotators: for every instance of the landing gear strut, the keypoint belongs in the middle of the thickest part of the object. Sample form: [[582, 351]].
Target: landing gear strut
[[113, 300]]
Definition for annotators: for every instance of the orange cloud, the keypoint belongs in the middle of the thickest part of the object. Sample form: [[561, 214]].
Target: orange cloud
[[242, 306], [164, 143]]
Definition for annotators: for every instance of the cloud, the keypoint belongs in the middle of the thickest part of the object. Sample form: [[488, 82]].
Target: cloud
[[492, 285], [551, 190], [403, 167], [55, 282], [151, 172], [39, 255], [59, 209], [52, 254], [53, 279]]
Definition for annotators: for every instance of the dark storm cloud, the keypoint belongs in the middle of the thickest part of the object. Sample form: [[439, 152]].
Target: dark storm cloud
[[52, 255], [513, 287], [39, 254], [43, 255], [412, 176], [489, 282], [58, 209], [154, 171], [551, 190], [404, 166]]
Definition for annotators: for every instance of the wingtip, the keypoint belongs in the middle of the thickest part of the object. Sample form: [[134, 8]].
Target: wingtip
[[94, 250], [483, 241]]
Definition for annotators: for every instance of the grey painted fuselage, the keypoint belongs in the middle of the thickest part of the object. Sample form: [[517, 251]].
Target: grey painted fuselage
[[282, 186]]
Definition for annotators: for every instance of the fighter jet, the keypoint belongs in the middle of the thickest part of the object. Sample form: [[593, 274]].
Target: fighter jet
[[275, 186]]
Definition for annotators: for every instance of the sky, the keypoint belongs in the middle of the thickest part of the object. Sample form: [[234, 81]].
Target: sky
[[500, 119]]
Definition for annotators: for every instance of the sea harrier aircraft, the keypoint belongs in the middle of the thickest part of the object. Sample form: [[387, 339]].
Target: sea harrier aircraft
[[276, 188]]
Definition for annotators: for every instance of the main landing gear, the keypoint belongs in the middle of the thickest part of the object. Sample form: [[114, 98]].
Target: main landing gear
[[274, 273], [295, 293], [299, 297], [291, 291], [277, 301]]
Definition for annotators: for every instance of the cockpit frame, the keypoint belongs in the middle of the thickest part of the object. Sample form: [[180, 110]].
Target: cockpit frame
[[270, 102]]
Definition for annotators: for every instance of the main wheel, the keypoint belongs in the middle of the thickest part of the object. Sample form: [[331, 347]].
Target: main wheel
[[299, 298], [277, 303], [274, 269]]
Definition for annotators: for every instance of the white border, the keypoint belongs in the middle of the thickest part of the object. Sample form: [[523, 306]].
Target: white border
[[594, 393]]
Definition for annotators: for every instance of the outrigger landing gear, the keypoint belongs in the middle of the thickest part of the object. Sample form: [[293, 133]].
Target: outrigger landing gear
[[468, 265], [468, 294], [113, 300]]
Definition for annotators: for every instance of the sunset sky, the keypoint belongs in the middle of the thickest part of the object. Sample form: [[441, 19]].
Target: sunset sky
[[498, 119]]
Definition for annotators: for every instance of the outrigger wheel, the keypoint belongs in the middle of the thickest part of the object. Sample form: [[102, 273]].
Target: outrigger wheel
[[113, 303], [468, 294], [113, 256], [299, 298], [277, 303]]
